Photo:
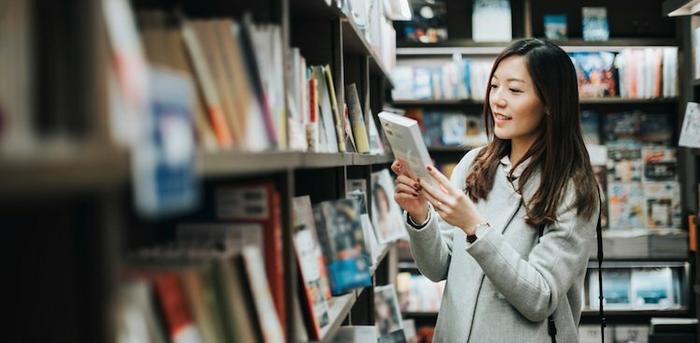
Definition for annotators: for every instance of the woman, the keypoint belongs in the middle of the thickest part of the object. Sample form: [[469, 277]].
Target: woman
[[479, 230]]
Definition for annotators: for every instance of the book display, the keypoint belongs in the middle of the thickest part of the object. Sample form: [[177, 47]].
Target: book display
[[190, 162]]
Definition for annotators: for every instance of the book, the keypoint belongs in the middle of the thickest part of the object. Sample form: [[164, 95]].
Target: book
[[407, 144], [386, 213], [475, 135], [625, 164], [165, 181], [428, 22], [135, 313], [555, 26], [491, 21], [653, 288], [595, 23], [204, 314], [268, 322], [418, 294], [617, 289], [223, 237], [590, 127], [622, 128], [338, 118], [595, 73], [376, 146], [357, 120], [340, 232], [659, 164], [327, 127], [690, 131], [454, 129], [656, 129], [663, 208], [259, 203], [176, 312], [355, 334], [387, 312], [305, 225], [625, 206]]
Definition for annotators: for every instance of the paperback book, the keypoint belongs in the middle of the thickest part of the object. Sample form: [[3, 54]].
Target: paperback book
[[626, 206], [386, 213]]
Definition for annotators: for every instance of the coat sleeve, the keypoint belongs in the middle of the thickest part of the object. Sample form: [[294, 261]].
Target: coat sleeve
[[535, 285], [431, 245]]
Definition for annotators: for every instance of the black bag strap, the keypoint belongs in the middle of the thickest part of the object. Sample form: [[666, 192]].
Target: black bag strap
[[551, 327]]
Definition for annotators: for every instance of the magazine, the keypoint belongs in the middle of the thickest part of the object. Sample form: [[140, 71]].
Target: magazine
[[595, 24], [624, 164], [659, 164], [339, 227], [617, 289], [555, 26], [387, 312], [595, 73], [386, 213], [625, 206], [690, 132], [663, 208]]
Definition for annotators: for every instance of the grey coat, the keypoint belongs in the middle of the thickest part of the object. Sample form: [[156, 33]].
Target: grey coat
[[503, 287]]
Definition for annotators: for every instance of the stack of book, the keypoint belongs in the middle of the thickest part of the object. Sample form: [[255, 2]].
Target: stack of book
[[456, 79]]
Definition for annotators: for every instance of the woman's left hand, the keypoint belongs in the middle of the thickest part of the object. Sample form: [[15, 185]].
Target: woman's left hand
[[453, 205]]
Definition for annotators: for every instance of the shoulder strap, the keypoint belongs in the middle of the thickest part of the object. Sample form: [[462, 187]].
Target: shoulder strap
[[551, 327]]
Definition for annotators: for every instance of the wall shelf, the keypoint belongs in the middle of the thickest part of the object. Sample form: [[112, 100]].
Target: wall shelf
[[583, 101]]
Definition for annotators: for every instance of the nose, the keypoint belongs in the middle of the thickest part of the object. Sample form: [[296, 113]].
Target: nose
[[497, 99]]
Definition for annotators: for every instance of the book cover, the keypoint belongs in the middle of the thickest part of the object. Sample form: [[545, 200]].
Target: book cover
[[625, 164], [428, 24], [475, 134], [304, 221], [432, 129], [595, 24], [656, 129], [617, 289], [325, 113], [376, 146], [386, 213], [653, 288], [626, 206], [595, 73], [340, 232], [659, 164], [135, 313], [690, 131], [590, 127], [357, 119], [387, 312], [622, 128], [205, 316], [555, 26], [491, 21], [165, 181], [339, 120], [662, 204], [454, 129]]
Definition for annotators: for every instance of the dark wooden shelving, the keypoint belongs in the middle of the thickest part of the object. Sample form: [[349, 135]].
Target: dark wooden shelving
[[583, 101], [673, 8]]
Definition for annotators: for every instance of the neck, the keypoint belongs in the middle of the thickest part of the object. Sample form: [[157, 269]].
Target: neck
[[518, 149]]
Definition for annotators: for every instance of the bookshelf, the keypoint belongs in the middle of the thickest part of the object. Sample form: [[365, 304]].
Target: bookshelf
[[686, 13], [642, 26], [70, 208]]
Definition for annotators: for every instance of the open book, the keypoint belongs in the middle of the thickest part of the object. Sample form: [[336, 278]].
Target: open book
[[407, 143]]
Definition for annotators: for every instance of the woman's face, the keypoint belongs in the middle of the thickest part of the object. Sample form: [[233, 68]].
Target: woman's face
[[517, 110]]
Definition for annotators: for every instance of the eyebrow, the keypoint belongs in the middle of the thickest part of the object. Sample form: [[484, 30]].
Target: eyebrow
[[511, 79]]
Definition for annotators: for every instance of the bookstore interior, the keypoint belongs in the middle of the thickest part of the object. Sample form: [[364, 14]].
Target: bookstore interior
[[220, 171]]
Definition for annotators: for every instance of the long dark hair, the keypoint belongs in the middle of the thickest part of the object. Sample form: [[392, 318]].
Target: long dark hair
[[559, 151]]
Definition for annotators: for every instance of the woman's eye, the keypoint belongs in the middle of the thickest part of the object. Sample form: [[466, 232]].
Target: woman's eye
[[515, 90], [493, 86]]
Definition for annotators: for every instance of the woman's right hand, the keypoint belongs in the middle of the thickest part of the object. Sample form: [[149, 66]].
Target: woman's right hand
[[409, 193]]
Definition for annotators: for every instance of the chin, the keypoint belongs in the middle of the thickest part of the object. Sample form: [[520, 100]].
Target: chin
[[502, 135]]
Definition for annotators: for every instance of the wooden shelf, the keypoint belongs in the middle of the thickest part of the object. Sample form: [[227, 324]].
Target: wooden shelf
[[227, 163], [231, 164], [339, 309], [73, 170], [583, 101], [355, 43], [673, 8], [437, 103], [469, 47], [635, 313], [422, 314]]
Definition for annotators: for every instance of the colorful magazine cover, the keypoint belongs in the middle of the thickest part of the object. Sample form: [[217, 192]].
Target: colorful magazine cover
[[386, 214], [622, 128], [595, 24], [555, 26], [659, 164], [339, 227], [662, 204], [626, 206], [590, 127], [617, 289], [653, 288], [428, 23], [624, 164], [387, 312], [596, 74], [656, 129]]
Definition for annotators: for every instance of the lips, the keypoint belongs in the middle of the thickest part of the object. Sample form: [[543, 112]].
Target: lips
[[500, 116]]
